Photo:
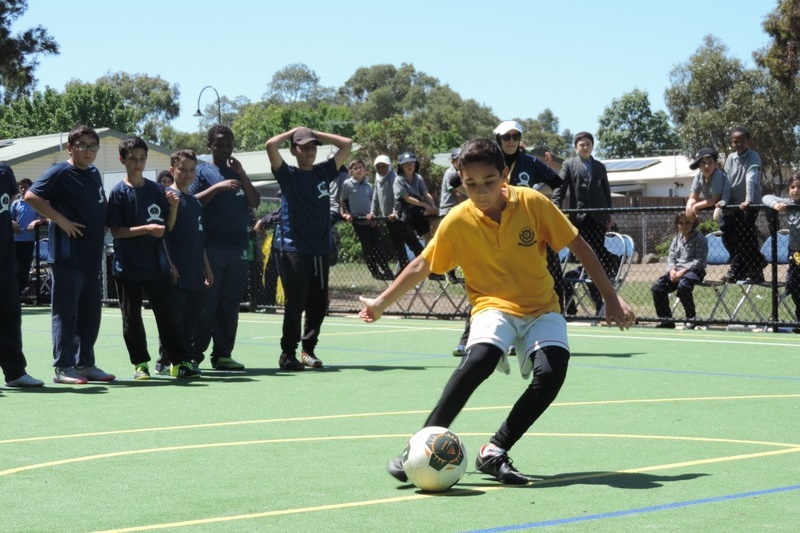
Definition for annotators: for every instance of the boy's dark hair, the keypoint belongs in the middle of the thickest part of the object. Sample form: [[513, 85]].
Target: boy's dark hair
[[795, 177], [481, 151], [582, 135], [129, 143], [79, 131], [741, 129], [165, 174], [356, 161], [682, 216], [218, 129], [25, 181], [181, 153]]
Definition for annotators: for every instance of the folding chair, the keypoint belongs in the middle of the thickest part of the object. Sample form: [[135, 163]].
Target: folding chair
[[747, 298], [620, 246], [717, 255]]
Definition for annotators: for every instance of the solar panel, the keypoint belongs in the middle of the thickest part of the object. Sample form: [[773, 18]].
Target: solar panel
[[630, 165]]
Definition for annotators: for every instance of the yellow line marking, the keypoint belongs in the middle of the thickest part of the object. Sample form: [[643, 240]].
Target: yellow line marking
[[384, 413]]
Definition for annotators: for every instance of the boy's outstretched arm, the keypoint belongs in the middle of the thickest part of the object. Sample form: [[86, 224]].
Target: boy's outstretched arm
[[617, 310], [416, 271]]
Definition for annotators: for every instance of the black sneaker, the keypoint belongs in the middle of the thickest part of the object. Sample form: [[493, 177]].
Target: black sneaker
[[666, 325], [499, 466], [395, 469], [290, 362]]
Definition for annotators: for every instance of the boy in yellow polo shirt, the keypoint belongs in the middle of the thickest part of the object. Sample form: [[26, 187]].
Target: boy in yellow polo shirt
[[498, 238]]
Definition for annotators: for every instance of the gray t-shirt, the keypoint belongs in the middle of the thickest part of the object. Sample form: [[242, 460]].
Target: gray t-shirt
[[356, 197], [744, 173], [448, 198], [718, 184]]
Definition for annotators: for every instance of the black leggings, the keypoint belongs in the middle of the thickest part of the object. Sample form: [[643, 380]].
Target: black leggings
[[549, 370]]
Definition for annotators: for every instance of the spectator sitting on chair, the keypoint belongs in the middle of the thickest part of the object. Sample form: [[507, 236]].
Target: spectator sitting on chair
[[686, 267], [793, 217]]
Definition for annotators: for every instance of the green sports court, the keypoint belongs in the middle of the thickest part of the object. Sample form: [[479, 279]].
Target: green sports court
[[668, 431]]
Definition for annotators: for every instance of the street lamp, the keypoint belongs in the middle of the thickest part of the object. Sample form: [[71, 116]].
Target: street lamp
[[219, 104]]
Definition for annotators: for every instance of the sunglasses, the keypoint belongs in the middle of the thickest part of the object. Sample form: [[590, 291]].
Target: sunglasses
[[511, 137]]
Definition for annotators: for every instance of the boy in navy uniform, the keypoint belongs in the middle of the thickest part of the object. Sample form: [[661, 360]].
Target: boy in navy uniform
[[305, 237], [190, 269], [12, 360], [227, 194], [139, 212], [71, 195]]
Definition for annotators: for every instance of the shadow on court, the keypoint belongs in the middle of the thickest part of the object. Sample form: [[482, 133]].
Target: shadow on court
[[617, 480], [599, 354]]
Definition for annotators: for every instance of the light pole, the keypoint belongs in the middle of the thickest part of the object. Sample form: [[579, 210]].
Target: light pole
[[219, 104]]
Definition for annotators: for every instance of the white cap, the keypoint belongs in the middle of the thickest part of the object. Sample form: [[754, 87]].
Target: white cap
[[383, 159], [507, 126]]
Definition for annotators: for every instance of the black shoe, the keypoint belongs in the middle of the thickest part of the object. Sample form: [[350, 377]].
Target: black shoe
[[689, 325], [436, 277], [395, 469], [290, 362], [729, 278], [666, 325], [499, 466], [755, 278], [512, 350]]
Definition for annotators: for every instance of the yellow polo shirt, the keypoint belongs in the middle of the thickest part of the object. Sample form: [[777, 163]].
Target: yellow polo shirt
[[504, 265]]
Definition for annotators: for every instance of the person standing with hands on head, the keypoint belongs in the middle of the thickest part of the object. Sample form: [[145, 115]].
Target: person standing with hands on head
[[71, 195], [227, 195], [24, 220], [739, 233], [12, 360], [586, 184], [305, 236], [498, 237]]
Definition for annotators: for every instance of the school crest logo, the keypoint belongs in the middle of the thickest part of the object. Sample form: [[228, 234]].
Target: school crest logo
[[102, 196], [155, 213], [4, 201], [200, 223], [322, 187], [526, 237], [524, 179]]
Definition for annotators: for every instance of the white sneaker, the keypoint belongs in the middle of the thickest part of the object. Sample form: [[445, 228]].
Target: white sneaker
[[25, 380], [69, 375], [93, 373]]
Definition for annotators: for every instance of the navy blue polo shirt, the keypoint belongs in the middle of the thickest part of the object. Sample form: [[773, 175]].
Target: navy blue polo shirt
[[226, 215], [529, 171], [187, 241], [138, 258], [8, 190], [305, 207], [77, 194]]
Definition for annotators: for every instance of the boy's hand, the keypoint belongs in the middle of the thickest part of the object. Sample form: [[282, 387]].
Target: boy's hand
[[235, 165], [780, 208], [156, 230], [229, 185], [172, 198], [209, 281], [72, 229], [173, 271], [370, 313], [620, 313]]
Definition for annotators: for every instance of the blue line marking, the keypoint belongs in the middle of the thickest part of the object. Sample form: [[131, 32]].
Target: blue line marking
[[641, 510]]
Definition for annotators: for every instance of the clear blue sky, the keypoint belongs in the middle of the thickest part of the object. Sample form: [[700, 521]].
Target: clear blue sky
[[573, 57]]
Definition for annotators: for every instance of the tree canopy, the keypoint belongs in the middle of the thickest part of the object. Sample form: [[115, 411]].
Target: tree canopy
[[19, 51], [629, 128]]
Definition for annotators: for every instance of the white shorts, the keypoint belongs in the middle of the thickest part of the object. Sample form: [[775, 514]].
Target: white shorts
[[527, 334]]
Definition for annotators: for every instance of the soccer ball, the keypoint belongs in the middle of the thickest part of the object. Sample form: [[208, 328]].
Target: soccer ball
[[434, 459]]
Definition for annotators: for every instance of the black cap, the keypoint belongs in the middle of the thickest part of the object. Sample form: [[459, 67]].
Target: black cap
[[704, 152]]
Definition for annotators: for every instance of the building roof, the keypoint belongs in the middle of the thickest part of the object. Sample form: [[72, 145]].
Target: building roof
[[20, 150]]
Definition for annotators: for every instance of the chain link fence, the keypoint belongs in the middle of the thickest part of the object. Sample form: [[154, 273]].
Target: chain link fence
[[721, 301]]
